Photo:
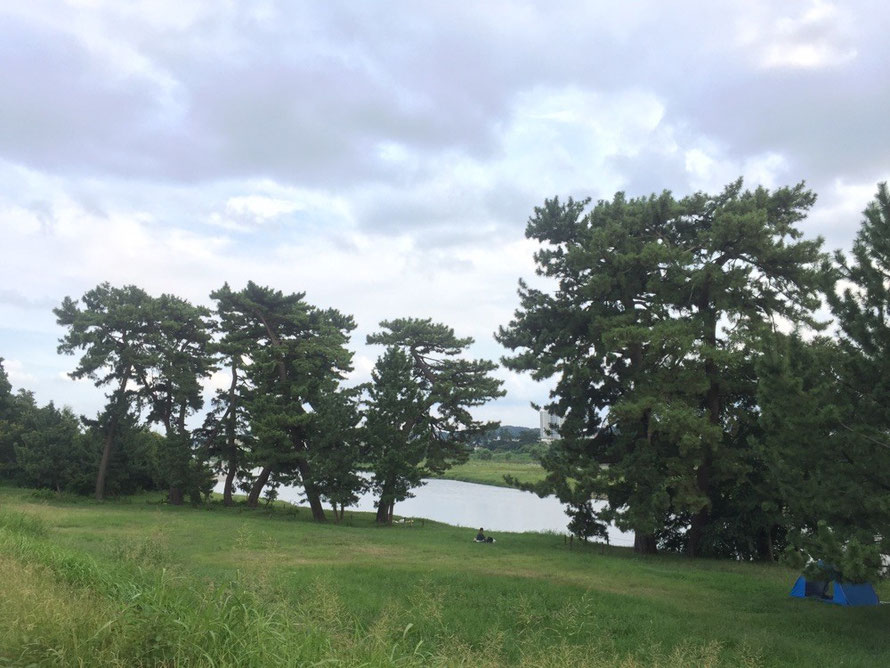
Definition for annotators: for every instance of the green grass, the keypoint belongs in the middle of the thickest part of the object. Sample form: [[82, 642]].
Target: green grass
[[142, 583], [491, 472]]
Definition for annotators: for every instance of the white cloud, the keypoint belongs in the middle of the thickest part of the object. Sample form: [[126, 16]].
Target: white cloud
[[15, 369], [839, 213], [818, 36], [709, 169]]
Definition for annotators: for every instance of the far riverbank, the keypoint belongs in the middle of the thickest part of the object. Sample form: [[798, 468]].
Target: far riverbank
[[492, 471]]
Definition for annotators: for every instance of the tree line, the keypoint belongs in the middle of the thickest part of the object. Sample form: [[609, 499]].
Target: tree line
[[706, 398], [284, 416]]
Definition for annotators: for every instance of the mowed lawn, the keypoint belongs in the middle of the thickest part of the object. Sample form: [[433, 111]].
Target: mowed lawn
[[137, 582]]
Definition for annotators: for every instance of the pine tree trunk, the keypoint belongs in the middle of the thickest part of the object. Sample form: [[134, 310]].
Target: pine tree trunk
[[315, 503], [702, 518], [384, 505], [175, 496], [103, 464], [228, 499], [645, 543], [765, 544], [311, 491], [253, 498], [109, 436], [231, 445]]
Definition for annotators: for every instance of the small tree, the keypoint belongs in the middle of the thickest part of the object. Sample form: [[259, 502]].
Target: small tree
[[8, 425], [418, 420], [336, 449], [397, 431], [52, 451]]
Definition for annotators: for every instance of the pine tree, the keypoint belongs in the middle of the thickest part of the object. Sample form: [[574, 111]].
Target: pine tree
[[396, 431], [650, 333], [418, 414], [842, 447], [172, 388], [746, 266], [335, 448], [606, 335], [298, 354], [111, 328]]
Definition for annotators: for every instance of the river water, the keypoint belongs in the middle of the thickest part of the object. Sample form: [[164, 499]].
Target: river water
[[467, 504]]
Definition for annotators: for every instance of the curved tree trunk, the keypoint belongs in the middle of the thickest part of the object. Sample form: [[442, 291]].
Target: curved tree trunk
[[312, 494], [110, 430], [228, 499], [385, 506], [253, 498], [315, 504]]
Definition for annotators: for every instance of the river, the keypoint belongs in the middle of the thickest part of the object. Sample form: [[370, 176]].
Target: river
[[467, 504]]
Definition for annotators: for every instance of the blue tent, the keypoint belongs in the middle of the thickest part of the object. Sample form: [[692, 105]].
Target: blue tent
[[845, 593]]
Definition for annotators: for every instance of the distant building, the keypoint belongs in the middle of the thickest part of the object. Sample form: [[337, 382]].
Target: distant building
[[550, 425]]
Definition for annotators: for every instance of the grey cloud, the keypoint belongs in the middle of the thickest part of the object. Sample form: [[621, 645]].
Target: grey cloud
[[309, 96], [61, 110], [16, 298]]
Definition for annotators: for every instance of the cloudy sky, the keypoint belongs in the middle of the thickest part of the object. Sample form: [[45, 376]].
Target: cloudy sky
[[384, 157]]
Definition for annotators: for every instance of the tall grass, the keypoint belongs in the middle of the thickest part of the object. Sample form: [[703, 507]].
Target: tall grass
[[145, 585], [65, 608]]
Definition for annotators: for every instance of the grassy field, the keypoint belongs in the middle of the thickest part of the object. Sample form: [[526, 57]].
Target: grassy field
[[138, 582], [492, 471]]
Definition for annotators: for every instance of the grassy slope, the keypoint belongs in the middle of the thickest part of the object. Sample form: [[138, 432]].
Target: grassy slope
[[129, 582], [492, 471]]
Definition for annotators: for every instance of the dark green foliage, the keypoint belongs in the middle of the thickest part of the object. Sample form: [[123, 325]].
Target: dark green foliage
[[53, 452], [604, 334], [226, 428], [826, 416], [335, 448], [584, 522], [745, 266], [651, 336], [397, 430], [47, 448], [8, 422], [111, 328], [298, 354], [418, 418], [171, 391], [136, 464]]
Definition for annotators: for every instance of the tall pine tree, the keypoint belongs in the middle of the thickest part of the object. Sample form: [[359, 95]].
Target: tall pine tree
[[111, 326], [418, 417]]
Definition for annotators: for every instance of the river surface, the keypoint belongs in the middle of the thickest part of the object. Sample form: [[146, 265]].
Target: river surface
[[472, 505]]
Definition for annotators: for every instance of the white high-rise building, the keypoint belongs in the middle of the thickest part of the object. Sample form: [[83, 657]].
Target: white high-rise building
[[550, 425]]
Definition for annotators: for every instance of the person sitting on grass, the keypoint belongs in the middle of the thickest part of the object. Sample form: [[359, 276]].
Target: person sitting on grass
[[480, 537]]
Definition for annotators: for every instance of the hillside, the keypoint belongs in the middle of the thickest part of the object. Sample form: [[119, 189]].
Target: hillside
[[137, 581]]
